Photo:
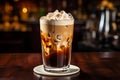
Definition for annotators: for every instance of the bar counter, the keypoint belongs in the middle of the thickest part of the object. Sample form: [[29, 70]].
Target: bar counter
[[93, 66]]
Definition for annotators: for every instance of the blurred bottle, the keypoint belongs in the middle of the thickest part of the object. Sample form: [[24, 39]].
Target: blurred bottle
[[15, 24], [6, 22], [64, 5], [41, 11], [91, 26], [50, 6], [79, 13], [107, 30]]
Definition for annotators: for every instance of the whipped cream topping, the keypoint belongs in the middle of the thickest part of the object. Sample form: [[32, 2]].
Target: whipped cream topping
[[56, 15]]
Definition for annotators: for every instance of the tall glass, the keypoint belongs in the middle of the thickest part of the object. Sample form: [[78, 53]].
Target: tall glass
[[56, 39]]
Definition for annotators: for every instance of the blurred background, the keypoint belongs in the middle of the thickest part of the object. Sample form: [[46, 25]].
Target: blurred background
[[97, 24]]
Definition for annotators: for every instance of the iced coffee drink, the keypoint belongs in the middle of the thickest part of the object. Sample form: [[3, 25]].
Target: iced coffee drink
[[56, 30]]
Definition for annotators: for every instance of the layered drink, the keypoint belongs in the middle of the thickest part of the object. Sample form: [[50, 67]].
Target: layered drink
[[56, 30]]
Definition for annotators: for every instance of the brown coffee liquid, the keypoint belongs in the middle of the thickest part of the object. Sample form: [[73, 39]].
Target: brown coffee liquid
[[56, 46], [57, 58]]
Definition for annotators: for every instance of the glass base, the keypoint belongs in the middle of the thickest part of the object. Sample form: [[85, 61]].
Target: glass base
[[41, 71], [56, 70]]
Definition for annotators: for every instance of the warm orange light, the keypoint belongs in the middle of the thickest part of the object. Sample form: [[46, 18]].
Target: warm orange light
[[104, 3], [24, 10]]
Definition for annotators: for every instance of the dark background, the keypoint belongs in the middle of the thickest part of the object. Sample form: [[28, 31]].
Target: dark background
[[19, 29]]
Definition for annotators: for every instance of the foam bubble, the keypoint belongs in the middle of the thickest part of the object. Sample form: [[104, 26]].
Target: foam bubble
[[56, 15], [58, 18]]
